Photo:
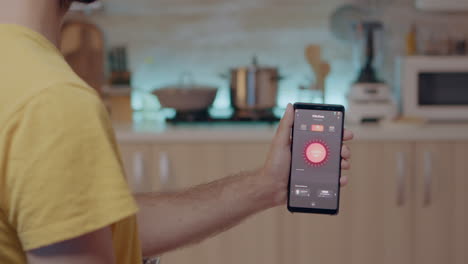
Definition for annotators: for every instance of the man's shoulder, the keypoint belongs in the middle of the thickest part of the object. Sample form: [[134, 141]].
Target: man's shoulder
[[34, 77], [65, 97]]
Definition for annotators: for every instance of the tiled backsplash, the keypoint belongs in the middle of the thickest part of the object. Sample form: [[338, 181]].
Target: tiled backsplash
[[208, 37]]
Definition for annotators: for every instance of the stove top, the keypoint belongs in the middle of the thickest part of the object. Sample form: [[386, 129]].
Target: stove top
[[265, 116]]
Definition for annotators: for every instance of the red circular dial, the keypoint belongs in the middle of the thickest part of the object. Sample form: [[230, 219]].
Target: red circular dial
[[316, 153]]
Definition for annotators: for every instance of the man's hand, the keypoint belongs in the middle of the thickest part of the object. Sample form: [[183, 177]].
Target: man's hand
[[277, 166]]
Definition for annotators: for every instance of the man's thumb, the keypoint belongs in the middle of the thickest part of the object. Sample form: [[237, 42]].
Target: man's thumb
[[283, 133]]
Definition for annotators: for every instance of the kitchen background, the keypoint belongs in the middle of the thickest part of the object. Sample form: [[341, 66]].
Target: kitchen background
[[207, 38], [406, 202]]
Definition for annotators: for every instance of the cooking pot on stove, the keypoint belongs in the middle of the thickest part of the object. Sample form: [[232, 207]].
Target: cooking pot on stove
[[254, 87]]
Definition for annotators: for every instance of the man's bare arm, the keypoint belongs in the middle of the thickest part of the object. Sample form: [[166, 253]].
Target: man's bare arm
[[172, 220]]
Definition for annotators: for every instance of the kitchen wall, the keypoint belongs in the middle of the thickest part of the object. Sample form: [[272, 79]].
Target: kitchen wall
[[207, 37]]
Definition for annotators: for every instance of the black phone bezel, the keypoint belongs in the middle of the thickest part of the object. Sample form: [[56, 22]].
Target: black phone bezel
[[323, 107]]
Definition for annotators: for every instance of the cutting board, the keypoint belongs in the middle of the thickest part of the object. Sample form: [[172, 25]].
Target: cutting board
[[82, 45]]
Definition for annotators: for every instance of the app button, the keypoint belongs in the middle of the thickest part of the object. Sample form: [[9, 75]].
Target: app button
[[304, 127], [316, 153], [325, 194], [302, 192], [331, 129], [317, 128]]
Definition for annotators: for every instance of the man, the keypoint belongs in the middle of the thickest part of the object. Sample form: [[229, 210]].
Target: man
[[63, 196]]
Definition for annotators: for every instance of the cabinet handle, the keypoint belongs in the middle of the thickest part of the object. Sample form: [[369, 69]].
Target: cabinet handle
[[401, 174], [138, 171], [164, 168], [427, 179]]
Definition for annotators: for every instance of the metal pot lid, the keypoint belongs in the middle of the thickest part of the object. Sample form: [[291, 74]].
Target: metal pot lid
[[255, 66]]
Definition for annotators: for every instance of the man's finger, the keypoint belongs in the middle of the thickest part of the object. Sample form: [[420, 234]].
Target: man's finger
[[344, 181], [345, 152], [345, 165], [283, 133], [347, 135]]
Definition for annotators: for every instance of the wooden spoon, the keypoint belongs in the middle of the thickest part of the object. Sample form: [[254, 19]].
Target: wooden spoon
[[313, 55], [321, 78]]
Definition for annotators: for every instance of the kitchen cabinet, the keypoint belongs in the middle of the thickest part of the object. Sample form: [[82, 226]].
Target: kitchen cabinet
[[461, 204], [140, 168], [309, 238], [255, 239], [406, 203], [377, 203], [434, 203], [190, 165]]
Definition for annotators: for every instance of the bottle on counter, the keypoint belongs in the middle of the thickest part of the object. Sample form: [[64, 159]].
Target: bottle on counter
[[411, 46]]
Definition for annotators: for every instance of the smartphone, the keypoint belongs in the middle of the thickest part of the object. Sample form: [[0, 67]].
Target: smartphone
[[314, 179]]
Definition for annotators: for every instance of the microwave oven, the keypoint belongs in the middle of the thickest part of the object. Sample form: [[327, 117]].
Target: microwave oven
[[435, 88]]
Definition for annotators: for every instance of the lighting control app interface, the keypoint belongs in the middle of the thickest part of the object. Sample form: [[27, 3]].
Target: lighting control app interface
[[316, 157]]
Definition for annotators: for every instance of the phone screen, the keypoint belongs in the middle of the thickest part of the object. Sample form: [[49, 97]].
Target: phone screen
[[316, 157]]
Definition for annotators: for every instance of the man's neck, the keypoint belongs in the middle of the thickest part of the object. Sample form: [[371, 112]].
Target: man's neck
[[43, 16]]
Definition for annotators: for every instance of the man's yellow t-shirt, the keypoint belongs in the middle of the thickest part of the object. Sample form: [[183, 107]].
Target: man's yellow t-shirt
[[60, 171]]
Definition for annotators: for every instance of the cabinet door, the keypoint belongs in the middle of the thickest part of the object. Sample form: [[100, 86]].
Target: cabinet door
[[377, 204], [253, 241], [189, 165], [435, 203], [193, 164], [140, 168], [313, 238], [461, 203], [256, 240], [309, 238]]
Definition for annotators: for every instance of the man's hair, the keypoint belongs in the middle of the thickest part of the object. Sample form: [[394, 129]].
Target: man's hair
[[68, 2], [65, 2]]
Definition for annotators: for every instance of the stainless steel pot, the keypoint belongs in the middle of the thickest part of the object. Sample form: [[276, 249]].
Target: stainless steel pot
[[254, 87]]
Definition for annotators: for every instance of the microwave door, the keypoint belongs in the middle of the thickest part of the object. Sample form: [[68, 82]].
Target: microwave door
[[443, 89]]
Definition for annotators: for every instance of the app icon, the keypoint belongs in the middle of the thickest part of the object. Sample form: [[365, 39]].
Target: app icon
[[317, 128], [304, 127], [331, 129]]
